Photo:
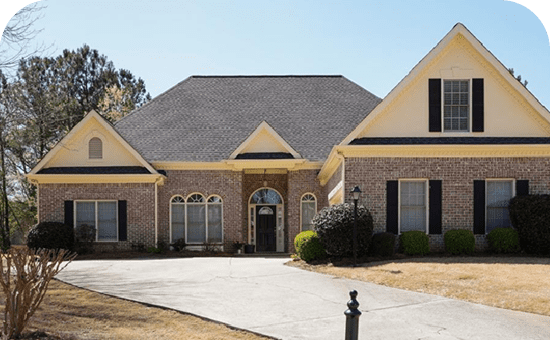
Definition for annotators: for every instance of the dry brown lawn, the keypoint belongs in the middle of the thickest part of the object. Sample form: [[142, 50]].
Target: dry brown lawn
[[517, 283], [68, 312]]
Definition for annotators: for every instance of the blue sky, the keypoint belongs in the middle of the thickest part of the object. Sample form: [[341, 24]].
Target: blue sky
[[373, 43]]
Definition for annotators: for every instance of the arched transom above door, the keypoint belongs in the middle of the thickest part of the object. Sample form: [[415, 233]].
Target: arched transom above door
[[266, 196]]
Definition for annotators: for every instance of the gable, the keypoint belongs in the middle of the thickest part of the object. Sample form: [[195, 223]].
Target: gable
[[73, 151], [509, 109], [264, 140]]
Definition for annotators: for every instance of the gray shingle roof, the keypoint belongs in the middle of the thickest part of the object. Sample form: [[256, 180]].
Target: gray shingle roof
[[205, 118]]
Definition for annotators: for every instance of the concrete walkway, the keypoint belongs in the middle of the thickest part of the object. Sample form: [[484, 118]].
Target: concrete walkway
[[264, 296]]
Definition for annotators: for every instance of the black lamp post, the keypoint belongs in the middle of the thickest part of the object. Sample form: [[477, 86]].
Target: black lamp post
[[355, 192]]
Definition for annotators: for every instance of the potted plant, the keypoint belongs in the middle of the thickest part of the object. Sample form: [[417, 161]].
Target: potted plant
[[239, 246], [249, 248]]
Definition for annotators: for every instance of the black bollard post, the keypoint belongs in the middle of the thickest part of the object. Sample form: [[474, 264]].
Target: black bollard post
[[352, 317]]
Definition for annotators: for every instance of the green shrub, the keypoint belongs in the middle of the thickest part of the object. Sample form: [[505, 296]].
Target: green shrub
[[530, 216], [460, 241], [85, 238], [414, 242], [51, 235], [154, 250], [503, 240], [179, 245], [334, 226], [308, 247], [383, 244]]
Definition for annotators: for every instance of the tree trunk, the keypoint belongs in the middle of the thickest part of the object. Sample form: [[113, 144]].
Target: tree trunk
[[5, 232]]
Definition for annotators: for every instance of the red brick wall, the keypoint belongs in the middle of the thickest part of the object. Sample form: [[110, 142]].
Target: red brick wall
[[457, 175], [300, 183], [140, 207], [226, 184]]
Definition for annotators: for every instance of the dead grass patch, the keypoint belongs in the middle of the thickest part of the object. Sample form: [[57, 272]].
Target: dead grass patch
[[68, 312], [515, 283]]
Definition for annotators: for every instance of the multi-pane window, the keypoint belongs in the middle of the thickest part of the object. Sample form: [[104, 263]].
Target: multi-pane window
[[196, 219], [499, 194], [456, 107], [102, 215], [412, 206], [309, 209]]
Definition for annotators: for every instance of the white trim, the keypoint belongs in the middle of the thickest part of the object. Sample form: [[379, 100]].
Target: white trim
[[334, 191], [96, 217], [426, 201]]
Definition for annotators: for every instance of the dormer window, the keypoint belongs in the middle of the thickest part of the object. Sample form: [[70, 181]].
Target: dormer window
[[456, 105], [95, 148]]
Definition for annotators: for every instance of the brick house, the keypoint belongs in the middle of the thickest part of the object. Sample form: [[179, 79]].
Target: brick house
[[220, 159]]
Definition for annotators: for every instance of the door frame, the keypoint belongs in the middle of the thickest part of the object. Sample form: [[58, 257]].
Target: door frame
[[279, 220]]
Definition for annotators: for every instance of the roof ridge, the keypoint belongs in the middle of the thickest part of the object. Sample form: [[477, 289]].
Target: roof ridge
[[270, 76]]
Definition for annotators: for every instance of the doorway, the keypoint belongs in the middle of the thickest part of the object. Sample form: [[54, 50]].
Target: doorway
[[266, 227]]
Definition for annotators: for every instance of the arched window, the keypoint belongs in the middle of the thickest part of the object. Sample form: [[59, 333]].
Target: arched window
[[308, 211], [177, 213], [95, 148], [196, 219], [214, 223], [266, 196]]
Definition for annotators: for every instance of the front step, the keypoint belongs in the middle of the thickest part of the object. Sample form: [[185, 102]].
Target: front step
[[265, 254]]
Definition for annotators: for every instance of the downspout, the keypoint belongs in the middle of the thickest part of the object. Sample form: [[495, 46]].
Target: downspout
[[156, 214], [340, 156]]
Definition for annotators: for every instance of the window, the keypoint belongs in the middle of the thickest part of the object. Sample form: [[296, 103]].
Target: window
[[196, 219], [309, 210], [412, 212], [499, 194], [456, 105], [100, 214], [266, 196], [177, 215], [95, 148]]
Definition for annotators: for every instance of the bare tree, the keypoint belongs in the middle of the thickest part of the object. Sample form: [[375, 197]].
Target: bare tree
[[17, 38]]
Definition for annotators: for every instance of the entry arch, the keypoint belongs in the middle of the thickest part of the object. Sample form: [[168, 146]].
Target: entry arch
[[266, 199]]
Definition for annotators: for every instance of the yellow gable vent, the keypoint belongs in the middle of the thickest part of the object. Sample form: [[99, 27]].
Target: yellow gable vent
[[95, 148]]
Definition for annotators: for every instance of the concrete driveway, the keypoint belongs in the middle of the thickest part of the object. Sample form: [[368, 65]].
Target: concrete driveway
[[264, 296]]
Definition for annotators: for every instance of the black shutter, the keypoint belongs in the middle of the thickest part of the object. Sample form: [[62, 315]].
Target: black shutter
[[479, 207], [435, 105], [435, 207], [122, 221], [69, 213], [477, 105], [522, 187], [391, 207]]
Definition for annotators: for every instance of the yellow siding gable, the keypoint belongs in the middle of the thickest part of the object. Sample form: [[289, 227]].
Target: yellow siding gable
[[264, 142], [510, 109], [74, 150]]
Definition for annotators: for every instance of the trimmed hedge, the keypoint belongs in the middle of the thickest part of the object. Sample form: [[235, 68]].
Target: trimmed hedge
[[308, 247], [503, 240], [530, 216], [51, 235], [383, 244], [334, 226], [460, 241], [414, 242]]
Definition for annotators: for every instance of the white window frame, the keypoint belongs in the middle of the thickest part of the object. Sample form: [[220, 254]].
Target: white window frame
[[458, 132], [513, 180], [301, 207], [426, 201], [206, 226], [96, 217], [184, 217], [221, 211]]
